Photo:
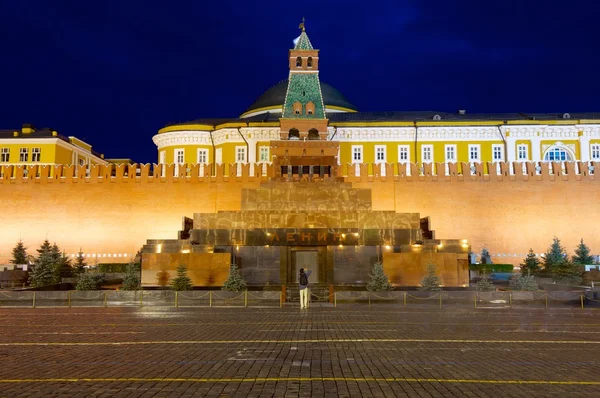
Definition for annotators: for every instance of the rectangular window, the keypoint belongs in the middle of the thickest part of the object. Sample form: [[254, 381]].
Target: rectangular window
[[23, 154], [474, 152], [450, 153], [36, 154], [263, 153], [219, 155], [357, 153], [240, 154], [403, 154], [497, 152], [5, 155], [81, 161], [427, 153], [179, 156], [595, 151], [522, 152], [202, 156], [380, 155]]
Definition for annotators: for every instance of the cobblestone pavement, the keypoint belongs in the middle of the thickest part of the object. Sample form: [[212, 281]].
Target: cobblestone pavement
[[272, 352]]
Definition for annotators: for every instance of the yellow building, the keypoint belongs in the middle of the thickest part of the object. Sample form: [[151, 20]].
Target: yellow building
[[380, 137], [30, 146]]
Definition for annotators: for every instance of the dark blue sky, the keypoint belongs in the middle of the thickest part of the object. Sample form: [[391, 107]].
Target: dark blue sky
[[114, 72]]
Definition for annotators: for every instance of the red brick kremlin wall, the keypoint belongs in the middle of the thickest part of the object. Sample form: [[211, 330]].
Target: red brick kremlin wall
[[115, 209]]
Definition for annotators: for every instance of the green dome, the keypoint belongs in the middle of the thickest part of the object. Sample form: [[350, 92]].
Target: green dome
[[275, 96]]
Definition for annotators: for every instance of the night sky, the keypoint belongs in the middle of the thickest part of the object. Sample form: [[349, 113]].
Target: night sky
[[114, 72]]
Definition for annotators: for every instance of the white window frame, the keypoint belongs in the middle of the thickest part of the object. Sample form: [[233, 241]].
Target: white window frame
[[5, 155], [23, 151], [522, 149], [454, 157], [219, 155], [36, 154], [555, 148], [404, 149], [176, 156], [595, 152], [427, 153], [497, 148], [380, 150], [202, 156], [264, 154], [241, 150], [357, 150], [477, 148]]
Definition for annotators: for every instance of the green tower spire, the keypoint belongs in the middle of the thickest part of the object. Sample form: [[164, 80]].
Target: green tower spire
[[303, 99]]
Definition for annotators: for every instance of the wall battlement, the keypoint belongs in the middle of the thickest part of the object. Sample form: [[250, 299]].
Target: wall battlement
[[366, 172]]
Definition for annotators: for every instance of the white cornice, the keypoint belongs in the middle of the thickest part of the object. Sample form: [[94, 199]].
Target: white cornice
[[197, 137]]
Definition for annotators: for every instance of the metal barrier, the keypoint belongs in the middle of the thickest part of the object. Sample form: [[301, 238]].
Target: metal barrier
[[220, 298]]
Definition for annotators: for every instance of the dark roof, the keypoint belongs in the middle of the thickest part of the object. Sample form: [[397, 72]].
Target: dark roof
[[275, 96], [40, 133]]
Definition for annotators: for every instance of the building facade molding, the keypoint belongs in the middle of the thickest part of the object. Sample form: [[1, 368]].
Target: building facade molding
[[181, 138]]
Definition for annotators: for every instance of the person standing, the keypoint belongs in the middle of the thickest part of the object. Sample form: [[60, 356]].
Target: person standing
[[303, 286]]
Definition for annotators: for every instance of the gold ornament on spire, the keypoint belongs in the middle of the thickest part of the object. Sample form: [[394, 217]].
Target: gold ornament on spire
[[301, 26]]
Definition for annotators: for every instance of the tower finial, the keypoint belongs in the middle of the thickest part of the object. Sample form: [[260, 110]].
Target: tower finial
[[301, 26]]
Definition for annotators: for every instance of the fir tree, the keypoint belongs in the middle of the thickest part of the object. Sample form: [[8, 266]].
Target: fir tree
[[234, 282], [132, 279], [90, 281], [566, 272], [55, 253], [379, 281], [44, 272], [531, 264], [183, 281], [80, 263], [431, 282], [555, 254], [524, 282], [485, 284], [19, 254], [582, 254], [64, 268], [485, 256]]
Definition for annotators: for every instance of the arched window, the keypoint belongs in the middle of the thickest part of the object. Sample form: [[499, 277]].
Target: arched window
[[310, 108], [309, 62], [298, 62], [557, 154], [313, 134], [294, 134], [437, 117], [297, 108]]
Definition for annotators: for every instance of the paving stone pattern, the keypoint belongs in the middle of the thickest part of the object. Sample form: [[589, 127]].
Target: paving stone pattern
[[321, 352]]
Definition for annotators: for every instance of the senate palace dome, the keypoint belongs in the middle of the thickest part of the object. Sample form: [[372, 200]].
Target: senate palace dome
[[272, 100]]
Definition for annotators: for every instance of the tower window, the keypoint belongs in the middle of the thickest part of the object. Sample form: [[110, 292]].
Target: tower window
[[309, 62], [310, 108], [294, 134], [313, 134], [298, 62], [297, 108]]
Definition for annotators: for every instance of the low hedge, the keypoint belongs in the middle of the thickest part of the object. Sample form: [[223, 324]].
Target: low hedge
[[489, 268]]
